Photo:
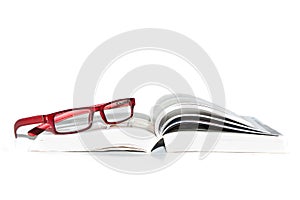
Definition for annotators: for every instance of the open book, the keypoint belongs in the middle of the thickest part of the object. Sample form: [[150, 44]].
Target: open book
[[178, 123]]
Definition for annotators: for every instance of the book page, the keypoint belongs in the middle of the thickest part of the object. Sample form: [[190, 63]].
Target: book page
[[206, 119], [184, 99], [107, 140], [171, 106], [180, 124]]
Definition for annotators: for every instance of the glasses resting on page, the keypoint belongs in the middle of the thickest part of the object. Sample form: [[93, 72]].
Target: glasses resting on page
[[78, 119]]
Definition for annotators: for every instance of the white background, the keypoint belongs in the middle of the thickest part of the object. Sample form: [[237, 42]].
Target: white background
[[255, 46]]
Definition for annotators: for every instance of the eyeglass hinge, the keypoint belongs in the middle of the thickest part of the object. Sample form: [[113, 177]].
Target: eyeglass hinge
[[44, 118]]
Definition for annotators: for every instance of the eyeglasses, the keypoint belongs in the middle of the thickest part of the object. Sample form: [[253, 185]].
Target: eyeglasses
[[78, 119]]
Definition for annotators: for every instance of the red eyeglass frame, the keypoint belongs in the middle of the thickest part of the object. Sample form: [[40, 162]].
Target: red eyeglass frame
[[48, 121]]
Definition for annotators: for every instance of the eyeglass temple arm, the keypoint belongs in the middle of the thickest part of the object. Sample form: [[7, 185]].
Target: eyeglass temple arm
[[41, 128], [28, 121]]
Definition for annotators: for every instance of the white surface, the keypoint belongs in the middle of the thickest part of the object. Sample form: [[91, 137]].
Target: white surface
[[255, 46]]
